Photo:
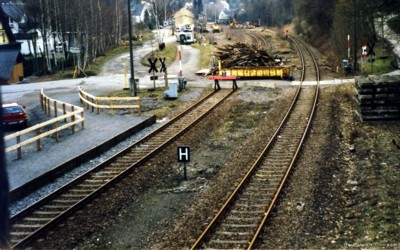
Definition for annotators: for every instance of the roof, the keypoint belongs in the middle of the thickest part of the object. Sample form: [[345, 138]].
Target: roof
[[9, 56], [6, 26], [137, 9], [9, 104], [14, 10], [183, 16]]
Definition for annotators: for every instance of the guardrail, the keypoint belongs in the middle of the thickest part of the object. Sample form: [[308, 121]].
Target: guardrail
[[112, 103], [49, 106]]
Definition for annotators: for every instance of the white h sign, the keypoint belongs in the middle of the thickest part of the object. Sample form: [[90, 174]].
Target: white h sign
[[183, 154]]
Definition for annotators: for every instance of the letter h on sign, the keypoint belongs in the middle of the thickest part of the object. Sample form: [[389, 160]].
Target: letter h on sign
[[183, 154]]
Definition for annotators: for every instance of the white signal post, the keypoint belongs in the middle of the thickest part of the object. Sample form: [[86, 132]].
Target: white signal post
[[180, 60], [348, 46], [184, 156]]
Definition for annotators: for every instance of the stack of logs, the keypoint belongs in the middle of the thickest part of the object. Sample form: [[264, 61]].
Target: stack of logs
[[378, 97], [241, 55]]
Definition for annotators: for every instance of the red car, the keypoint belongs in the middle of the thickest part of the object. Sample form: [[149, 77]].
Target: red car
[[14, 115]]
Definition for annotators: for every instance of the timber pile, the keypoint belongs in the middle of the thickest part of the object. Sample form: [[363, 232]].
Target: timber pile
[[241, 55], [378, 97]]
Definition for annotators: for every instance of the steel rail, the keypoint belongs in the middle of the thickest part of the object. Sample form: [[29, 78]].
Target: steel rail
[[251, 172], [260, 40], [46, 213], [311, 116]]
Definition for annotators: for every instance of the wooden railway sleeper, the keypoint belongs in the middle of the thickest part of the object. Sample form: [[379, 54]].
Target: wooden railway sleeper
[[251, 205], [253, 195], [240, 219], [63, 201], [26, 226], [88, 186], [22, 234], [43, 213], [108, 173], [233, 233], [230, 242], [241, 226], [256, 216], [84, 191], [56, 207]]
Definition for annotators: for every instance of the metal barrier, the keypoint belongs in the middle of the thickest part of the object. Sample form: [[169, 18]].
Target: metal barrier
[[112, 103], [49, 106]]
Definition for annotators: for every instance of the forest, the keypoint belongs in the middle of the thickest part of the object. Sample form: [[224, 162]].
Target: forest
[[95, 26]]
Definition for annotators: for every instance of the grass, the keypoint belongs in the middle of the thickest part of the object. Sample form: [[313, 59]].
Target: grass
[[205, 55], [96, 67], [156, 94], [169, 52], [382, 61]]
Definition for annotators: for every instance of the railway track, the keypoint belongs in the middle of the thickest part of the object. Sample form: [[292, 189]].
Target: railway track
[[48, 212], [258, 39], [240, 222]]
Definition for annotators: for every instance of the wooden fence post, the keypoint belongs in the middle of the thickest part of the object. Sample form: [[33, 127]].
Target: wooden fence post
[[48, 107], [41, 101], [87, 103], [57, 132], [64, 111], [139, 105], [38, 140], [97, 106], [19, 151], [55, 109], [83, 120], [111, 106], [93, 102], [73, 119], [81, 95]]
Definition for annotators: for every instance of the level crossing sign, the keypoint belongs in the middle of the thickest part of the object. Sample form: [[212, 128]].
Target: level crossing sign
[[163, 67], [153, 67]]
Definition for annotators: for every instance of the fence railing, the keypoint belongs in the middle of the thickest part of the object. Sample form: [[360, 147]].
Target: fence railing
[[96, 102], [67, 116]]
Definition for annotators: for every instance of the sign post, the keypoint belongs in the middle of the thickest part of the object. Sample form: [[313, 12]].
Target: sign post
[[184, 156]]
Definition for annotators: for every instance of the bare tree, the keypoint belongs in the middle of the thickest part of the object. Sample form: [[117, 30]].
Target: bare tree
[[93, 26]]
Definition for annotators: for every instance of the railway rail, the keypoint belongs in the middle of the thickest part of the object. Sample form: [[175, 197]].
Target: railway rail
[[49, 211], [258, 39], [241, 220]]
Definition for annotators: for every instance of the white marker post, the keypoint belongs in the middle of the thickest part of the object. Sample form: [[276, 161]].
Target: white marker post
[[184, 156], [180, 61]]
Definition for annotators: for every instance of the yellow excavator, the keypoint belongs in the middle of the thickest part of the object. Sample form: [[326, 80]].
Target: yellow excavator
[[216, 28], [234, 25]]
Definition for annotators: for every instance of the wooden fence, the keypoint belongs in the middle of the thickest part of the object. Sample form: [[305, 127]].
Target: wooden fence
[[61, 110], [95, 102]]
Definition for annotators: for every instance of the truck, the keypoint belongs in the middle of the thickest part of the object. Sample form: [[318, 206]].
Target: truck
[[185, 34], [184, 26]]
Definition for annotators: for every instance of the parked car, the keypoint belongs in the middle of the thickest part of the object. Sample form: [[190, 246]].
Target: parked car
[[14, 115]]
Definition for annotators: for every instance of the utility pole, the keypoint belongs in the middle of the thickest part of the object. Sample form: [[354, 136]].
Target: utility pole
[[355, 67], [4, 190], [132, 82]]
